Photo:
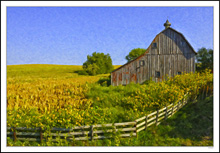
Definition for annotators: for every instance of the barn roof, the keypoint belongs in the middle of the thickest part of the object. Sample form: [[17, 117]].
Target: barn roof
[[182, 36], [149, 46]]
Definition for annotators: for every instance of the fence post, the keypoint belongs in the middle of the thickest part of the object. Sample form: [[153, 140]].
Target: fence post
[[182, 102], [41, 135], [166, 113], [14, 134], [172, 109], [157, 117], [178, 105], [136, 128], [207, 91], [91, 132], [146, 124]]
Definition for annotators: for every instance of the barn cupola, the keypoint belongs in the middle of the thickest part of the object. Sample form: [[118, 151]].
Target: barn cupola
[[167, 24]]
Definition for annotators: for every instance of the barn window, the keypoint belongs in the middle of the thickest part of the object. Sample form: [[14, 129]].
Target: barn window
[[141, 63], [179, 73], [154, 45], [157, 74]]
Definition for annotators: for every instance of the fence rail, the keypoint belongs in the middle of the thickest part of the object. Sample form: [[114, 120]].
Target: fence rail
[[99, 131]]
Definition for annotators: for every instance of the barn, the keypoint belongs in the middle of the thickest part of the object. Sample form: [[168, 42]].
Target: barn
[[169, 54]]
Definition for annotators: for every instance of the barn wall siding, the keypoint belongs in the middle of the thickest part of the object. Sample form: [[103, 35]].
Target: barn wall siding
[[172, 55]]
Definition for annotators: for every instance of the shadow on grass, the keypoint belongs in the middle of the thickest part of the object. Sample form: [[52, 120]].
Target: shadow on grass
[[194, 121], [192, 125], [81, 72]]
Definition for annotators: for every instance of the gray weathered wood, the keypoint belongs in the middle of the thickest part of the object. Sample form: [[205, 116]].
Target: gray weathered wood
[[170, 105], [125, 123], [128, 135], [14, 134], [157, 116], [140, 124], [111, 130], [161, 114], [27, 134], [140, 119], [140, 129], [135, 128], [80, 138], [91, 132], [10, 133], [160, 118], [170, 56], [29, 139], [162, 109], [172, 109], [166, 113], [146, 121], [151, 119], [102, 125], [178, 105], [25, 129], [151, 123], [152, 114]]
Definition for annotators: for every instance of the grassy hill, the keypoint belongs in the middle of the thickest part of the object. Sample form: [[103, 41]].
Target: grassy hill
[[190, 126], [30, 73]]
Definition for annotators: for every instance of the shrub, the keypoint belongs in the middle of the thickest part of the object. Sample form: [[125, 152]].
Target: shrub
[[98, 63]]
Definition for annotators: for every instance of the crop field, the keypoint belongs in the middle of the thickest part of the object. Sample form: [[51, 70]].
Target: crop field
[[49, 96]]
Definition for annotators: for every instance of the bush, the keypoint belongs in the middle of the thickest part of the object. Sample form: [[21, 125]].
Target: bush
[[98, 63], [105, 81], [82, 72]]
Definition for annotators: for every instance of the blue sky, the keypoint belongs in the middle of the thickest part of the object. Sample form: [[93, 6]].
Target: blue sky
[[66, 35]]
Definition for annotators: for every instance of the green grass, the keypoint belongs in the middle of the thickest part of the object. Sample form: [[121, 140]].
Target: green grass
[[190, 126]]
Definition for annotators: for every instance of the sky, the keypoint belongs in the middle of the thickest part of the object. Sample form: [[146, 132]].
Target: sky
[[66, 35]]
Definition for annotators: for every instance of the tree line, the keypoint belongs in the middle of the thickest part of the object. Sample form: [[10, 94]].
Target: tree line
[[100, 63]]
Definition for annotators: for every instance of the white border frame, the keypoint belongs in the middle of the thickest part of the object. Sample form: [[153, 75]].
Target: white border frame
[[215, 4]]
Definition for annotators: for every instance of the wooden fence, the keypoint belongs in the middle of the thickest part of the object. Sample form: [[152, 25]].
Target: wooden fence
[[94, 132]]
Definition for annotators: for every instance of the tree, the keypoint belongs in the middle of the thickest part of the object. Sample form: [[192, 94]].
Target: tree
[[98, 63], [134, 53], [204, 59]]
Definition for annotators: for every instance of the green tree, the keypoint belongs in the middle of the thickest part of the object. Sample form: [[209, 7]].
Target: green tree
[[134, 53], [98, 63], [204, 59]]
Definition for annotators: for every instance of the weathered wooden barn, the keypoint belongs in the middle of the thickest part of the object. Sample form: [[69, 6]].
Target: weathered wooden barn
[[169, 54]]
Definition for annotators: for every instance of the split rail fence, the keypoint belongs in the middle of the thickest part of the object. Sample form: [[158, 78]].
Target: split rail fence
[[100, 131], [94, 132]]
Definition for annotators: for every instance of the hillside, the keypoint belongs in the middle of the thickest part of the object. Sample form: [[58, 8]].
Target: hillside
[[49, 96], [190, 126], [31, 73]]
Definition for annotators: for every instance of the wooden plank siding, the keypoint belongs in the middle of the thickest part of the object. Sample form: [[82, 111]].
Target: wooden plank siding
[[173, 54]]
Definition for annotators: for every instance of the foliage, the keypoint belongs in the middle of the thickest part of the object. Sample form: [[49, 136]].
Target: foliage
[[134, 53], [98, 63], [105, 81], [204, 59]]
